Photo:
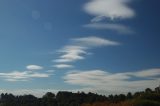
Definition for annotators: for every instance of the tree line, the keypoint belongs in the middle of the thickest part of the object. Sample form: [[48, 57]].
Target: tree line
[[64, 98], [148, 97]]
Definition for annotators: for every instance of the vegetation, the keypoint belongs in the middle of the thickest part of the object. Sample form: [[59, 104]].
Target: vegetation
[[146, 98]]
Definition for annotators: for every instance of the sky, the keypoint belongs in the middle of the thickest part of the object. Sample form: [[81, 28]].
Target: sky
[[101, 46]]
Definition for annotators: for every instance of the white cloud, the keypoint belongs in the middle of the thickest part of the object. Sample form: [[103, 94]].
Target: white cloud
[[22, 76], [93, 41], [71, 53], [93, 77], [79, 48], [62, 66], [98, 80], [34, 67], [122, 29], [147, 73], [113, 9]]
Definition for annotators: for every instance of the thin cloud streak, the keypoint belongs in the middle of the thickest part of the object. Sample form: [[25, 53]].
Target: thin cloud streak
[[22, 75], [63, 66], [93, 41], [121, 29]]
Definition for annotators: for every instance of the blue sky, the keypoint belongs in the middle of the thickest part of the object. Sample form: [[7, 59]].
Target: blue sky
[[103, 46]]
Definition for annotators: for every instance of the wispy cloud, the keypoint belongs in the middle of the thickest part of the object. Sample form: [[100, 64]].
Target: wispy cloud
[[146, 73], [62, 66], [34, 67], [93, 41], [113, 9], [22, 75], [78, 48], [114, 82], [50, 71], [119, 28]]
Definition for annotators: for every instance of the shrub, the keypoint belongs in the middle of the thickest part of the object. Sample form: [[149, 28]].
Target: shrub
[[146, 103]]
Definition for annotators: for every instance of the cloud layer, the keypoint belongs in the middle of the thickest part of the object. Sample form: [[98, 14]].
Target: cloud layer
[[99, 80], [78, 48]]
